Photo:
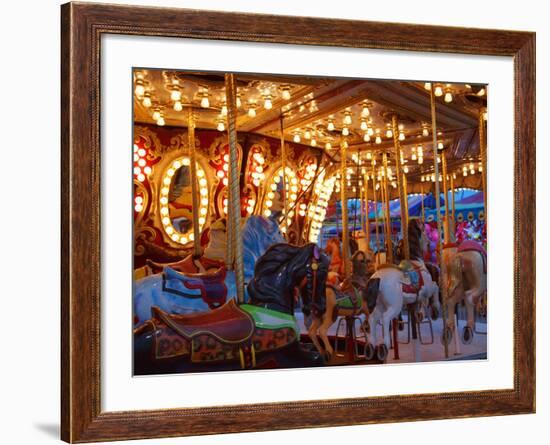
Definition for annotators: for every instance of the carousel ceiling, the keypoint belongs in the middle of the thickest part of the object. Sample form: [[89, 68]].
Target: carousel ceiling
[[323, 112]]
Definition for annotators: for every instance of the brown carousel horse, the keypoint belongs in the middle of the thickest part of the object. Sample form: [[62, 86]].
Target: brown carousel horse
[[346, 300]]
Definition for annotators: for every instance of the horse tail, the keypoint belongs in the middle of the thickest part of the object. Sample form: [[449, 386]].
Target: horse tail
[[372, 292]]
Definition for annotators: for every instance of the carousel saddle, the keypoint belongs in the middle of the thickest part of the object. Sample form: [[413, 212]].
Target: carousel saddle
[[413, 281], [228, 324], [209, 286]]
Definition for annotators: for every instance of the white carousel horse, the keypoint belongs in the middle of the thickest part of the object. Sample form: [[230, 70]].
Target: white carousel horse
[[182, 293], [465, 273], [391, 287]]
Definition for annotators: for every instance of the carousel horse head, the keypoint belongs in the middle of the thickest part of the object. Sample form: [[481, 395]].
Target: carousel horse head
[[418, 241], [281, 270]]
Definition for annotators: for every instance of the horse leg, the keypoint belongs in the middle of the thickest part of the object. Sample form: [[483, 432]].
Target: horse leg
[[323, 333], [312, 332]]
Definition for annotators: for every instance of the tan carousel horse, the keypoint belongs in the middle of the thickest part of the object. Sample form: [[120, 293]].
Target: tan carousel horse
[[465, 275], [346, 300]]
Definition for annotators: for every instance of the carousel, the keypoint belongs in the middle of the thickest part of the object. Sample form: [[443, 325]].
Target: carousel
[[290, 221]]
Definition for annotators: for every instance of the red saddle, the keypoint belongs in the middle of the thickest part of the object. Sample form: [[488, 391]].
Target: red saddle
[[414, 288], [228, 323]]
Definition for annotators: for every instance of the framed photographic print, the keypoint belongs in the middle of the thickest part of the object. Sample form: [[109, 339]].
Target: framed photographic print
[[263, 216]]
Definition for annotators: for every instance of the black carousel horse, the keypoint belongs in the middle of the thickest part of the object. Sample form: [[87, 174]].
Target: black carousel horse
[[236, 336]]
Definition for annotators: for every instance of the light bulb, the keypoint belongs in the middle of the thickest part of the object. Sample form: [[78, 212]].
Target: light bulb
[[440, 145], [156, 115], [401, 136], [252, 111], [389, 133], [481, 92], [307, 134], [425, 131], [297, 138], [267, 103], [147, 100], [345, 131], [438, 91], [347, 119], [160, 121], [370, 131], [365, 111], [328, 146], [239, 102], [205, 103], [448, 97], [221, 126], [366, 137], [175, 95], [364, 125], [406, 169], [330, 126], [178, 106], [313, 142], [427, 86], [140, 88], [224, 110], [369, 155], [286, 94], [378, 139]]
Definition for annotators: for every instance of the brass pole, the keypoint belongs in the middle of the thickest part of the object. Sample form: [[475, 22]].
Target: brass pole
[[234, 206], [406, 200], [400, 188], [389, 250], [194, 189], [453, 205], [442, 286], [375, 207], [483, 154], [422, 203], [446, 232], [344, 201], [285, 184], [366, 198]]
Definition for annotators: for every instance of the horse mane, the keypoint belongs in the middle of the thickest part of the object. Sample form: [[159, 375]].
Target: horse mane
[[415, 236]]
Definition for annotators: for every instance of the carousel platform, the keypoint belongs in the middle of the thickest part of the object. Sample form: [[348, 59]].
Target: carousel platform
[[429, 348]]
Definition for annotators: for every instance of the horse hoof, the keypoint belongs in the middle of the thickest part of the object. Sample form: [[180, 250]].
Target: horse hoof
[[382, 352], [447, 335], [369, 351], [327, 356], [467, 335]]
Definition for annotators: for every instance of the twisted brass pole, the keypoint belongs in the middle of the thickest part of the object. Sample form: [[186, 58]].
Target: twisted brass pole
[[344, 201], [389, 249], [483, 154], [286, 186], [402, 204], [442, 281], [234, 189], [375, 206], [194, 189]]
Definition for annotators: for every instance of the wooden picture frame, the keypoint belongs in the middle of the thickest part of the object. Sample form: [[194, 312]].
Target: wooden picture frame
[[82, 26]]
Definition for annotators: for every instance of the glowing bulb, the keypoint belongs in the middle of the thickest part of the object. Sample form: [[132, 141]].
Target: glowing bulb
[[147, 100], [378, 139], [328, 146], [425, 131], [448, 97], [156, 115], [160, 121], [252, 112], [366, 137], [297, 138], [267, 103], [307, 134], [205, 102], [175, 95], [364, 125], [438, 91], [389, 133], [178, 106], [330, 126], [401, 136], [347, 119], [221, 126], [481, 92], [370, 131], [427, 86], [365, 111], [224, 110], [140, 88], [313, 142], [345, 131], [286, 94], [440, 145], [238, 100]]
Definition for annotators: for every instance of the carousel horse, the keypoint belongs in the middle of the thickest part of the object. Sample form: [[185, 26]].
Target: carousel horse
[[465, 274], [391, 287], [346, 300], [261, 334], [183, 292], [333, 250]]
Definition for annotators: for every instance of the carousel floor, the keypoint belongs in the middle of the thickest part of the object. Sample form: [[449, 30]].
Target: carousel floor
[[476, 350]]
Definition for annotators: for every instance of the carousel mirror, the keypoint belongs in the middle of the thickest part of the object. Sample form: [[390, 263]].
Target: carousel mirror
[[176, 200]]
